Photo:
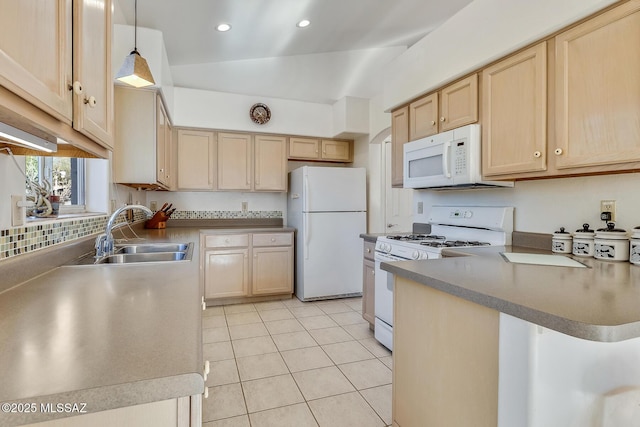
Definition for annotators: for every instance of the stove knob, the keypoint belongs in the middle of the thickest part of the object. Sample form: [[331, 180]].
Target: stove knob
[[387, 248], [415, 255], [423, 255]]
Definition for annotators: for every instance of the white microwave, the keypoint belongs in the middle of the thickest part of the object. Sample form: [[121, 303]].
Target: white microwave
[[447, 160]]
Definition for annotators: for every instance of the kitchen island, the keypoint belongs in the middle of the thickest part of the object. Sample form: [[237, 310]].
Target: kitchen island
[[485, 342]]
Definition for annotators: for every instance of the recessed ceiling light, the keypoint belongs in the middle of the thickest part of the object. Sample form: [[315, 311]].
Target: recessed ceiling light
[[303, 23], [223, 27]]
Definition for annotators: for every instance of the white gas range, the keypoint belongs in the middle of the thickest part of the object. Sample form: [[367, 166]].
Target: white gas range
[[451, 227]]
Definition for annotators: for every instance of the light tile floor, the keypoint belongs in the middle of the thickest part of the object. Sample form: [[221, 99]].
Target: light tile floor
[[292, 363]]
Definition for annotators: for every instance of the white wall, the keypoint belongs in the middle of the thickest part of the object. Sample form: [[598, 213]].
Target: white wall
[[480, 33], [543, 206], [12, 183]]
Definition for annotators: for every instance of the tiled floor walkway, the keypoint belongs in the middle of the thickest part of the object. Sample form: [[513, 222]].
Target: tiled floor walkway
[[289, 363]]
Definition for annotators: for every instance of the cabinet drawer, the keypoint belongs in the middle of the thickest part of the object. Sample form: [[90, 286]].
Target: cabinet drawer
[[272, 239], [226, 240], [369, 248]]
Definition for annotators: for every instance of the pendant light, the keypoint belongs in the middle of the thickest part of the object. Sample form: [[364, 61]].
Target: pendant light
[[135, 70]]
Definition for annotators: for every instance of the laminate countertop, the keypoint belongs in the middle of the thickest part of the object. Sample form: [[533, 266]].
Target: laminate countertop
[[598, 303], [108, 336]]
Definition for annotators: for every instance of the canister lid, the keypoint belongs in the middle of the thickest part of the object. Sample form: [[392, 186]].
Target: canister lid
[[611, 228], [561, 231], [611, 232], [585, 231]]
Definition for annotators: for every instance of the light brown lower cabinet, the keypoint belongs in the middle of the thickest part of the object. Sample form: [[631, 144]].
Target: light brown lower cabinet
[[445, 359], [247, 265], [180, 412]]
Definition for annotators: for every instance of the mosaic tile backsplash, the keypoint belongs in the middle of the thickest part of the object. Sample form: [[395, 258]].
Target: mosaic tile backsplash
[[20, 240]]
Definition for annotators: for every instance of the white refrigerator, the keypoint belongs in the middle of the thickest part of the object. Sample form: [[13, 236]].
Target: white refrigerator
[[328, 208]]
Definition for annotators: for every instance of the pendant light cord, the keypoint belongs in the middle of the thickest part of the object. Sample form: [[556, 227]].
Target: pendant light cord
[[135, 25]]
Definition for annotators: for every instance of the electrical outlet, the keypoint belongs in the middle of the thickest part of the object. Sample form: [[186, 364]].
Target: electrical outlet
[[420, 207], [153, 205], [245, 206], [17, 211], [608, 206]]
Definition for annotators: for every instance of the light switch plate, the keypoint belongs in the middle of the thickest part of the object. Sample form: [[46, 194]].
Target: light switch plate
[[17, 212]]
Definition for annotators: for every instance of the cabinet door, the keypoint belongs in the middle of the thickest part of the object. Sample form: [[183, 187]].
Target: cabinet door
[[598, 90], [423, 117], [35, 53], [226, 273], [368, 291], [196, 160], [304, 148], [459, 103], [514, 108], [270, 163], [336, 150], [234, 161], [272, 271], [162, 144], [93, 109], [399, 135]]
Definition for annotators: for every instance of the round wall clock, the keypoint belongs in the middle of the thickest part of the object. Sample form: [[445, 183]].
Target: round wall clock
[[260, 113]]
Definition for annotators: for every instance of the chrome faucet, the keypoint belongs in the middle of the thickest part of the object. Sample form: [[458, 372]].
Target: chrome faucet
[[104, 242]]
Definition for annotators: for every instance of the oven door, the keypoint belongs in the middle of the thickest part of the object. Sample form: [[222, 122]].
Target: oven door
[[427, 162], [383, 301]]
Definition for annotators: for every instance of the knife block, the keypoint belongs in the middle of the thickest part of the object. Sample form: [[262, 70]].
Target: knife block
[[159, 220]]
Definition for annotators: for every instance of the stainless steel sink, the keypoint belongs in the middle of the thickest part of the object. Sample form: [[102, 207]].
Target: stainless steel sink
[[141, 253], [128, 258], [151, 248]]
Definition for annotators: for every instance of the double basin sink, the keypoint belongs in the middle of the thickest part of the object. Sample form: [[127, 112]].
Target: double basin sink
[[143, 253]]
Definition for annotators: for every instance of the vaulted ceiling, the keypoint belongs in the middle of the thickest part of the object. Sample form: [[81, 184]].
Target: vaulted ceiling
[[341, 53]]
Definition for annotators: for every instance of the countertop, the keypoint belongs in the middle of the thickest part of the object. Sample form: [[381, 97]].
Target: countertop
[[599, 303], [109, 336]]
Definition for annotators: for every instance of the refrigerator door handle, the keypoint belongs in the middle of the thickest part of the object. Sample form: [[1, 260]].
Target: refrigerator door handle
[[305, 220], [306, 195]]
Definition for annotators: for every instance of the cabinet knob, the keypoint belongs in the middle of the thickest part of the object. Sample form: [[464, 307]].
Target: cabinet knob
[[558, 151], [537, 154], [91, 101], [433, 122], [77, 88], [442, 119], [368, 250], [273, 239], [227, 240]]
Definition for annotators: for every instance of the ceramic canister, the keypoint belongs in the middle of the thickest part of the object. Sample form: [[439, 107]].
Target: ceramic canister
[[583, 244], [611, 243], [561, 242], [634, 252]]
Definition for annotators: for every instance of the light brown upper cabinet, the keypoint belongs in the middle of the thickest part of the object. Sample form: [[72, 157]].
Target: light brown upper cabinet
[[270, 164], [142, 156], [251, 163], [65, 68], [399, 136], [453, 106], [324, 150], [235, 153], [514, 109], [598, 91], [196, 160], [93, 108]]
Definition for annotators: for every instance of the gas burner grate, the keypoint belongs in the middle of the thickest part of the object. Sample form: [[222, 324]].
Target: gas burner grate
[[454, 243]]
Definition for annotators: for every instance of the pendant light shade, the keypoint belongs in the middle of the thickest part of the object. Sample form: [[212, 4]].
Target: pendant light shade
[[135, 70]]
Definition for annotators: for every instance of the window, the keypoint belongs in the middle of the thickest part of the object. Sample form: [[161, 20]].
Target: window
[[66, 177]]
